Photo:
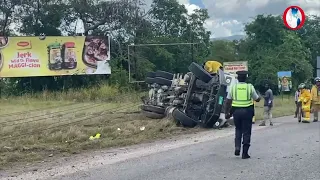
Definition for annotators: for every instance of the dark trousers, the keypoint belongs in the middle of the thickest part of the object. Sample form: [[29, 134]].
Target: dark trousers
[[243, 122]]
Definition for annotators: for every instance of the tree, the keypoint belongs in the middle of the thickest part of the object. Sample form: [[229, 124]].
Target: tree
[[310, 35], [271, 48], [7, 8], [223, 51]]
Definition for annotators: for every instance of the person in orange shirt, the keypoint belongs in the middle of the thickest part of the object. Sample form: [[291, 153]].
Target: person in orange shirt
[[315, 95], [305, 100]]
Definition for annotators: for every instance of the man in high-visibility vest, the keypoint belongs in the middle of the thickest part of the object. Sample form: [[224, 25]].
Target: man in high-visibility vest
[[315, 97], [239, 103]]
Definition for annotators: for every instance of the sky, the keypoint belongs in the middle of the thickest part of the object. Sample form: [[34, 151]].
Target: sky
[[227, 17]]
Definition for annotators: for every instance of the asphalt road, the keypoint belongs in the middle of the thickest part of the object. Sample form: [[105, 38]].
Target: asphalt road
[[287, 151]]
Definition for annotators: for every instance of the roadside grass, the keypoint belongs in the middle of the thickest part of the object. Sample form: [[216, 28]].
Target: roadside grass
[[282, 107], [66, 120]]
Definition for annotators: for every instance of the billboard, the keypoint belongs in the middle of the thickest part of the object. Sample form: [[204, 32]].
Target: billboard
[[285, 81], [54, 56], [233, 67]]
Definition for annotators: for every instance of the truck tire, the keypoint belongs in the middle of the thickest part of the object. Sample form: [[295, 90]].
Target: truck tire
[[153, 115], [162, 81], [150, 80], [185, 120], [151, 108], [199, 72], [163, 74], [151, 74]]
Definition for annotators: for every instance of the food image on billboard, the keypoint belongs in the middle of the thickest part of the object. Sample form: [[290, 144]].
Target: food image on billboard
[[233, 67], [54, 56]]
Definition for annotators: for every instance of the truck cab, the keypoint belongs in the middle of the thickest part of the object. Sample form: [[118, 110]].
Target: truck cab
[[231, 79]]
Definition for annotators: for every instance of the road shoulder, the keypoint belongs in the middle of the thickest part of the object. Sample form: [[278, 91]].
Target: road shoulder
[[87, 161]]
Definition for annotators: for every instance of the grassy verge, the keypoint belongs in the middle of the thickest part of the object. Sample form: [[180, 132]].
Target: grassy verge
[[63, 125], [282, 107], [47, 125]]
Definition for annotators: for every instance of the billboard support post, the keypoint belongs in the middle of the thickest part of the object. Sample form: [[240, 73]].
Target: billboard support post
[[141, 45]]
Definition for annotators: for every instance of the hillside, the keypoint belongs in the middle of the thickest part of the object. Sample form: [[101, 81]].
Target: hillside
[[229, 38]]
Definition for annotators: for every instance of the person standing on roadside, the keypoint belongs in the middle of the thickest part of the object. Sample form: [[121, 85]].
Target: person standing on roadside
[[239, 103], [296, 98], [315, 99], [268, 104]]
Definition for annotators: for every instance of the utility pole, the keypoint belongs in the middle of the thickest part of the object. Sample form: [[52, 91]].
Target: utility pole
[[318, 66]]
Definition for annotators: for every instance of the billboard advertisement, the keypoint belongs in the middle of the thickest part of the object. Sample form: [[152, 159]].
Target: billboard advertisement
[[284, 81], [233, 67], [54, 56]]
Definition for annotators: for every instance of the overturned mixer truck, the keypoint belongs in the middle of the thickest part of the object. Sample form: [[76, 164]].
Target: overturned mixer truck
[[191, 99]]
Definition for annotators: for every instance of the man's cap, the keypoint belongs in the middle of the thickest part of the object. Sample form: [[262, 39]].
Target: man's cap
[[242, 72]]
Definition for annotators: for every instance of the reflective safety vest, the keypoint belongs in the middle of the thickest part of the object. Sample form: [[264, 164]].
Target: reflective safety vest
[[241, 95]]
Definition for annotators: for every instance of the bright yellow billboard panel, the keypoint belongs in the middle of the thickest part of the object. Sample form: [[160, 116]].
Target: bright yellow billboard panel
[[54, 56]]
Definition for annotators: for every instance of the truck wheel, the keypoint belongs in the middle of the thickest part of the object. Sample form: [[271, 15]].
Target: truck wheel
[[162, 81], [151, 108], [152, 115], [185, 120], [150, 80], [199, 72], [151, 74], [163, 74]]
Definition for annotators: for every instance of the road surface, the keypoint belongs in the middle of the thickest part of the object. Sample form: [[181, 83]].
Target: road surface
[[286, 151]]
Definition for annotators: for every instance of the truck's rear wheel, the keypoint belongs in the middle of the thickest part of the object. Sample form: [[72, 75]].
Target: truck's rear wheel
[[150, 80], [162, 81], [151, 108], [164, 74], [152, 115], [185, 120], [199, 72]]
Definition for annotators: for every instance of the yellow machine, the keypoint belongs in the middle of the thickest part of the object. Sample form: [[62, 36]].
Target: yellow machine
[[305, 100], [212, 66]]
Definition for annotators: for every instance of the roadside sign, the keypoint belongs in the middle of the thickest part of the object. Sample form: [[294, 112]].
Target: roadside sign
[[233, 67]]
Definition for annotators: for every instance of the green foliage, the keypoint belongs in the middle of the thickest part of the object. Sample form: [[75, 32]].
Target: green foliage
[[268, 47]]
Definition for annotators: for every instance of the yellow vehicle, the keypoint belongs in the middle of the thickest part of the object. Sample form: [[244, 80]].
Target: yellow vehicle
[[212, 66]]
